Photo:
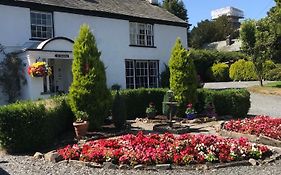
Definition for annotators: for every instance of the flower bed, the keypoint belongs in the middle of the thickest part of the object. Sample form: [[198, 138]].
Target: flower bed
[[259, 125], [167, 148]]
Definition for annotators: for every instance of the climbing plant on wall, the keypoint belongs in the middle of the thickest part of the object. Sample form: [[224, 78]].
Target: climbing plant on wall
[[11, 75]]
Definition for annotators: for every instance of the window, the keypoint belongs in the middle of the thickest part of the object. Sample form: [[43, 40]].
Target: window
[[142, 73], [41, 25], [141, 34]]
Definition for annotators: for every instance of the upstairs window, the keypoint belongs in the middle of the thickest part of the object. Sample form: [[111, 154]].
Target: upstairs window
[[141, 34], [41, 25]]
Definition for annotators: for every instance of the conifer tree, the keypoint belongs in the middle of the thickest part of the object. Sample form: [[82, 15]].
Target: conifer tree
[[88, 91], [183, 78]]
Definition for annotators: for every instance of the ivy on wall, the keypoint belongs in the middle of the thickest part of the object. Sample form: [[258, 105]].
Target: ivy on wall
[[11, 75]]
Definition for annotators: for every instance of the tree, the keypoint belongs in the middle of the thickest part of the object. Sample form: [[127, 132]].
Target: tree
[[176, 7], [254, 36], [183, 78], [88, 91], [211, 31], [11, 75]]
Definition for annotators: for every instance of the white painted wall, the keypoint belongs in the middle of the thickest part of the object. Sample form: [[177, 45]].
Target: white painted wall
[[112, 37], [15, 25]]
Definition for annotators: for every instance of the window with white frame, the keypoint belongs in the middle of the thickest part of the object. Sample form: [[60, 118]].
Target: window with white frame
[[41, 25], [142, 73], [141, 34]]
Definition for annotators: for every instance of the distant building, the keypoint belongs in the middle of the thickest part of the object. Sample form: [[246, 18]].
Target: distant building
[[233, 14]]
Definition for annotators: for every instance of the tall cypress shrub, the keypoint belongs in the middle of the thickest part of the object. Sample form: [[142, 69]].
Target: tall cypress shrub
[[183, 78], [88, 91]]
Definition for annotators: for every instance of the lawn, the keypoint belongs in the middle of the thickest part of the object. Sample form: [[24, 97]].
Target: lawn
[[269, 89]]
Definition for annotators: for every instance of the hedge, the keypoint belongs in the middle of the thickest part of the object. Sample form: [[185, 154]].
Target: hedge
[[242, 70], [30, 126], [235, 102], [220, 72], [204, 59]]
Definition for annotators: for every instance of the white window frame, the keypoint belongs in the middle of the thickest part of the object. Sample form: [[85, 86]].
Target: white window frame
[[142, 73], [141, 34], [44, 23]]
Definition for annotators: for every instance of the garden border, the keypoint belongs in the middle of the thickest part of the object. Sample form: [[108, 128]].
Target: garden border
[[252, 138]]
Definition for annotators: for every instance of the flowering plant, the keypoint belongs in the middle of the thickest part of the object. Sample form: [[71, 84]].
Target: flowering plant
[[189, 109], [259, 125], [166, 148], [39, 69]]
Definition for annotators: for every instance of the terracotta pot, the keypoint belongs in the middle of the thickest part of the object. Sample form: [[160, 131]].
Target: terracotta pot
[[81, 128]]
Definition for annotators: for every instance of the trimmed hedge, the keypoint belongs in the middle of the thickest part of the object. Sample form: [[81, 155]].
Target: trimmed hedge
[[235, 102], [137, 100], [29, 126]]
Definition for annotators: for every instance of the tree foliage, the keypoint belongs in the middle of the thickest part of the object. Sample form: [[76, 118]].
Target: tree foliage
[[11, 75], [211, 31], [88, 91], [176, 7], [183, 77]]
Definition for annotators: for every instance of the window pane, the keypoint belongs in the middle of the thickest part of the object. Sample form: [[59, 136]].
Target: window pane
[[41, 25]]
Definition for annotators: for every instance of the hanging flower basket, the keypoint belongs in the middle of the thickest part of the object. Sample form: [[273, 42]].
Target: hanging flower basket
[[39, 69]]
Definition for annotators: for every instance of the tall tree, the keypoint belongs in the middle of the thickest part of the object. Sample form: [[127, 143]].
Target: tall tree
[[88, 91], [183, 78], [210, 31], [254, 36], [176, 7]]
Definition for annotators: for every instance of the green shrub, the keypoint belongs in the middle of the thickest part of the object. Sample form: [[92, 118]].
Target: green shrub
[[204, 59], [220, 72], [137, 100], [88, 91], [183, 77], [235, 102], [242, 70], [29, 126], [119, 112], [274, 74]]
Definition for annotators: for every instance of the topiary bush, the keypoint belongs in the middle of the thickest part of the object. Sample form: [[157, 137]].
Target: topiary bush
[[242, 70], [183, 77], [220, 72], [88, 91], [31, 126], [119, 112]]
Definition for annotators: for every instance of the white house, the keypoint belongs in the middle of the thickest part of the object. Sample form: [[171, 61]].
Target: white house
[[134, 36]]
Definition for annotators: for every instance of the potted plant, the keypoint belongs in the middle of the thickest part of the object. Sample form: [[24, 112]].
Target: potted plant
[[190, 112], [81, 124], [151, 111], [39, 69]]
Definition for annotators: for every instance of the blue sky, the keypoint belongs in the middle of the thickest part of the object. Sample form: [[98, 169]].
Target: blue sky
[[201, 9]]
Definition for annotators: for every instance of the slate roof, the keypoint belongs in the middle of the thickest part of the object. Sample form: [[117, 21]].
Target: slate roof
[[222, 46], [141, 9]]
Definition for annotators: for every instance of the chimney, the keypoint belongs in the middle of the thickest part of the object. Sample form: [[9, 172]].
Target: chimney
[[153, 2]]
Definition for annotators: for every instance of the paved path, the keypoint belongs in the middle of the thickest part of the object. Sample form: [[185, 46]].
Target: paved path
[[260, 104]]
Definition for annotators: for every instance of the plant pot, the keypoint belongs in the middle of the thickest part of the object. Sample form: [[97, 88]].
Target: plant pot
[[190, 116], [81, 129]]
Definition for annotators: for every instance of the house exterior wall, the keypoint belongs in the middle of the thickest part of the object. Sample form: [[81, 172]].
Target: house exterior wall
[[112, 37]]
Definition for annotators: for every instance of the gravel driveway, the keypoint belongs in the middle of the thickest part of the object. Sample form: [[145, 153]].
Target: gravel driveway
[[260, 104], [26, 165]]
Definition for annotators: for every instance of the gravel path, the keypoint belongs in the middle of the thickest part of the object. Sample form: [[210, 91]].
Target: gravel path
[[26, 165]]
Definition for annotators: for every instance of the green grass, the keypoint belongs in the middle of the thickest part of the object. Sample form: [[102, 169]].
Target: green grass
[[274, 85]]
